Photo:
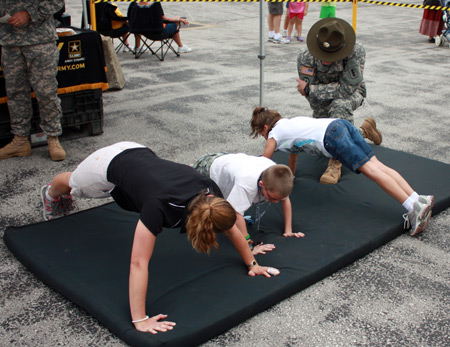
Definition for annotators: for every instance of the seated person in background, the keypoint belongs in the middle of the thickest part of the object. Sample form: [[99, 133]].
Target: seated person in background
[[246, 180], [341, 140], [167, 195], [110, 21], [169, 28], [121, 24]]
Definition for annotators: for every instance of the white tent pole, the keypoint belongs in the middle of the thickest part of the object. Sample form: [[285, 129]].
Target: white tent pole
[[262, 52], [85, 18]]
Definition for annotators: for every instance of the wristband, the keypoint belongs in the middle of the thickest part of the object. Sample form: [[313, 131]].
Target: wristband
[[251, 244], [247, 237], [306, 89], [252, 264], [140, 320]]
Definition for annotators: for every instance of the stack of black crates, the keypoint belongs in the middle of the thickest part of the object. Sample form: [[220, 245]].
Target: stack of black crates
[[82, 113]]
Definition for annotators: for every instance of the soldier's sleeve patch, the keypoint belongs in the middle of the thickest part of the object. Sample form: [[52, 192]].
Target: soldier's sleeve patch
[[305, 70]]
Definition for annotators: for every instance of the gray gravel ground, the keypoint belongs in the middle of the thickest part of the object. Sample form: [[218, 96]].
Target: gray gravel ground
[[184, 107]]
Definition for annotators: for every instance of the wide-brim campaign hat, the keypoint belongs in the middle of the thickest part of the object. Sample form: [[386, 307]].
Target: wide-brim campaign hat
[[331, 39]]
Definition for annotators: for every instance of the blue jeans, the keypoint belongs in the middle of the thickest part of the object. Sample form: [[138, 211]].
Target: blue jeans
[[170, 28], [344, 142]]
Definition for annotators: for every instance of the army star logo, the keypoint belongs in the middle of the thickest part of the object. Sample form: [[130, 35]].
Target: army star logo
[[74, 49]]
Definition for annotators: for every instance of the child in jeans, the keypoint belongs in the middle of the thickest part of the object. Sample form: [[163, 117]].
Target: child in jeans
[[339, 139], [297, 11]]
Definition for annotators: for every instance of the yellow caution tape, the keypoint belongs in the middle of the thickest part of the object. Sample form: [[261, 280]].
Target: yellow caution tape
[[383, 3]]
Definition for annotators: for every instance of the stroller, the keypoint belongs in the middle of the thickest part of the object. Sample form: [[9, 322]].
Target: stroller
[[440, 39]]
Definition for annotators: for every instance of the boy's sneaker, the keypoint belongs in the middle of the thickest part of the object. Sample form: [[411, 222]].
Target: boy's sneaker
[[52, 209], [418, 219], [67, 204], [281, 39], [184, 49], [270, 39]]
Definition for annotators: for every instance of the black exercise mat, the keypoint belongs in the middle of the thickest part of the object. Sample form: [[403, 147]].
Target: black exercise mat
[[86, 256]]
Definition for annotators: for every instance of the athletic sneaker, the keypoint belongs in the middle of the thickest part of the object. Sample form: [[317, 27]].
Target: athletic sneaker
[[270, 39], [281, 39], [184, 49], [67, 204], [52, 209], [288, 38], [301, 39], [418, 219], [284, 33], [427, 200]]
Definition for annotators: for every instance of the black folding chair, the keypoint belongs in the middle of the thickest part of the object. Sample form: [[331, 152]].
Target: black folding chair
[[105, 14], [147, 22]]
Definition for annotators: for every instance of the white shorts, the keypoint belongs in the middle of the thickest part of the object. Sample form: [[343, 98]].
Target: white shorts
[[89, 180]]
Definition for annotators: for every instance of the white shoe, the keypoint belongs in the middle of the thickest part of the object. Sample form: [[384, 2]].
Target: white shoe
[[284, 33], [184, 49], [128, 49], [281, 39]]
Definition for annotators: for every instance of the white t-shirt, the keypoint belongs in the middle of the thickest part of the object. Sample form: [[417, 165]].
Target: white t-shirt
[[237, 177], [301, 134]]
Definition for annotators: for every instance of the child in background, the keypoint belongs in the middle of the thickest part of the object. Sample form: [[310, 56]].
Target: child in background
[[328, 9], [339, 139], [297, 11]]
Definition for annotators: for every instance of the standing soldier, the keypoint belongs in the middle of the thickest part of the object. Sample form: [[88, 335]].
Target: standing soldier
[[331, 78], [30, 59]]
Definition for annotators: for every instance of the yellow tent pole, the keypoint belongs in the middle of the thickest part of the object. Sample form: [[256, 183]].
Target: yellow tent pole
[[355, 14], [92, 10]]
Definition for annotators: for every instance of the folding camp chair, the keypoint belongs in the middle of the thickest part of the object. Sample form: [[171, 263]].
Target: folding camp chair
[[147, 21], [109, 23]]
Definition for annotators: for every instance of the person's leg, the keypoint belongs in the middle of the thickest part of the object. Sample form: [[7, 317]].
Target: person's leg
[[290, 28], [60, 185], [277, 24], [388, 179], [344, 108], [19, 102], [42, 62], [418, 207], [299, 28], [286, 20]]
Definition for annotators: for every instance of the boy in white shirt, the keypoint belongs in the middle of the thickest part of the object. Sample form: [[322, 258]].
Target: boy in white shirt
[[246, 180]]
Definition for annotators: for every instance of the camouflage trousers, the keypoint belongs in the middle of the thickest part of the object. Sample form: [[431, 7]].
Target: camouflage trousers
[[338, 108], [203, 164], [34, 67]]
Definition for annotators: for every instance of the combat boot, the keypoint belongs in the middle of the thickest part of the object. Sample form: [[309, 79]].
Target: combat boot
[[332, 173], [57, 153], [18, 147], [370, 131]]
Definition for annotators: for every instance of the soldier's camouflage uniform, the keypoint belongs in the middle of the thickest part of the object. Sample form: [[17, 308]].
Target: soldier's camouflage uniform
[[338, 89], [30, 59]]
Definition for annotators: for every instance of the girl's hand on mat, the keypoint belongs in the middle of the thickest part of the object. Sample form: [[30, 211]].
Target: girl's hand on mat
[[153, 325], [263, 248], [291, 234], [263, 270]]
